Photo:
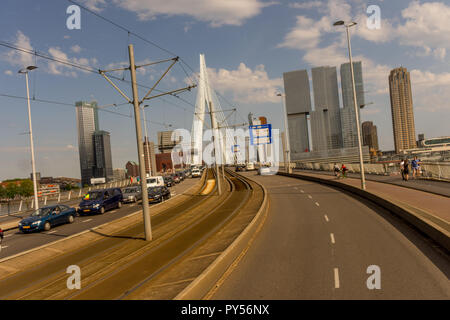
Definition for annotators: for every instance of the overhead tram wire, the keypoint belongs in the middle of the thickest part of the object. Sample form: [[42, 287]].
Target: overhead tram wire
[[132, 33], [82, 67], [72, 105]]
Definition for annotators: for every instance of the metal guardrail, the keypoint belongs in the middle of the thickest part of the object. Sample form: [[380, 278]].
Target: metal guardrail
[[14, 207], [438, 171]]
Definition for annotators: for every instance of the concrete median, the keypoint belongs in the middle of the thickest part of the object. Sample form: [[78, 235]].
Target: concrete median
[[210, 278]]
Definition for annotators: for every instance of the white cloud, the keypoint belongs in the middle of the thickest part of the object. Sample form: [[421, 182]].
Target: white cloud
[[8, 72], [75, 48], [57, 68], [216, 12], [306, 5], [246, 85], [18, 58], [95, 5]]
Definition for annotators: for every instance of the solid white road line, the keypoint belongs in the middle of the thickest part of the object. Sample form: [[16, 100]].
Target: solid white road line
[[332, 238], [87, 220], [326, 218], [51, 232], [336, 278], [8, 235], [317, 204]]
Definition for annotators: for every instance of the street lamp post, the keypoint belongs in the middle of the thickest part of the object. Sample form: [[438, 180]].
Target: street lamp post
[[33, 165], [286, 129], [358, 130]]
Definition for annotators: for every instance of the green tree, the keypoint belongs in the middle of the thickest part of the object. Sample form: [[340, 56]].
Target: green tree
[[11, 190], [26, 188]]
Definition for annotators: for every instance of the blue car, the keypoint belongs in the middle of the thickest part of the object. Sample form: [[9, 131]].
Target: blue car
[[47, 217], [99, 201]]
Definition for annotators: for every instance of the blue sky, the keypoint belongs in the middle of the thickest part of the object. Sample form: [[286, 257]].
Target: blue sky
[[248, 44]]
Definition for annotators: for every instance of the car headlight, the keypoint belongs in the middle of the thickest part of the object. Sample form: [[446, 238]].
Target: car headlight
[[96, 205], [20, 224], [36, 223]]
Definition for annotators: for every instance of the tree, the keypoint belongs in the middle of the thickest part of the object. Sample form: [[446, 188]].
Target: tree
[[26, 188], [11, 190]]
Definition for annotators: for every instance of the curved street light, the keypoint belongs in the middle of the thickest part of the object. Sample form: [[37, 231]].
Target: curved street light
[[33, 164]]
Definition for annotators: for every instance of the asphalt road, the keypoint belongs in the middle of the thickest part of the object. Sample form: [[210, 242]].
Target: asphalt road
[[317, 243], [16, 242], [434, 186]]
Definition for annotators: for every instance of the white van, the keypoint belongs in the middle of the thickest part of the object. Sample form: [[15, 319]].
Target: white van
[[250, 166], [155, 181]]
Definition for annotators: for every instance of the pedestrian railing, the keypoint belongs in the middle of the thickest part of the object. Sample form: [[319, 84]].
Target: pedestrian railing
[[19, 206]]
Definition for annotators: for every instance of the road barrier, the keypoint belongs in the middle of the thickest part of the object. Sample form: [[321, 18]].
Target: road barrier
[[439, 234], [428, 170]]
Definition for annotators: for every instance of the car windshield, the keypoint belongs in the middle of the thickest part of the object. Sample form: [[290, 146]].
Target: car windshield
[[131, 190], [93, 196], [154, 190], [42, 212]]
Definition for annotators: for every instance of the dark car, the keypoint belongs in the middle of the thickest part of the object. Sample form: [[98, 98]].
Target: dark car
[[168, 181], [47, 217], [99, 201], [158, 194], [1, 235]]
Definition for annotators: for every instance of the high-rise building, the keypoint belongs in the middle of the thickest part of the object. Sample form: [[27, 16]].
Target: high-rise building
[[132, 169], [298, 106], [348, 116], [165, 142], [402, 109], [87, 122], [102, 155], [149, 153], [370, 135], [325, 122]]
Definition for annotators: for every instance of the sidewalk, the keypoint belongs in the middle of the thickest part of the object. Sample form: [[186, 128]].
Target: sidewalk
[[431, 186], [432, 206]]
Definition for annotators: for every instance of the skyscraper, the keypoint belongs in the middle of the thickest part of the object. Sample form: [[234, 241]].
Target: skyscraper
[[298, 106], [87, 123], [325, 122], [348, 116], [402, 109], [102, 155], [370, 135], [149, 152]]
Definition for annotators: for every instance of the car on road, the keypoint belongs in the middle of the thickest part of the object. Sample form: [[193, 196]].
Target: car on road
[[47, 217], [158, 194], [1, 235], [132, 194], [196, 173], [155, 181], [265, 171], [250, 166], [168, 181], [176, 178], [100, 201]]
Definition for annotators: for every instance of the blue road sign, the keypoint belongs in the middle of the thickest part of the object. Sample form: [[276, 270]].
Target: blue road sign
[[260, 134]]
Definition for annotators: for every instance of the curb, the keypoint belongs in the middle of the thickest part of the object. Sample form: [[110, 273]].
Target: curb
[[88, 230], [206, 281], [425, 226]]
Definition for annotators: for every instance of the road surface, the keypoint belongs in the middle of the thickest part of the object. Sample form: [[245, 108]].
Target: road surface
[[318, 243]]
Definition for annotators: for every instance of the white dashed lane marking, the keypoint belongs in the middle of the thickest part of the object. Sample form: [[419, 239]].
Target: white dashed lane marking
[[87, 220], [326, 218], [332, 238], [309, 196], [336, 278], [317, 204]]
